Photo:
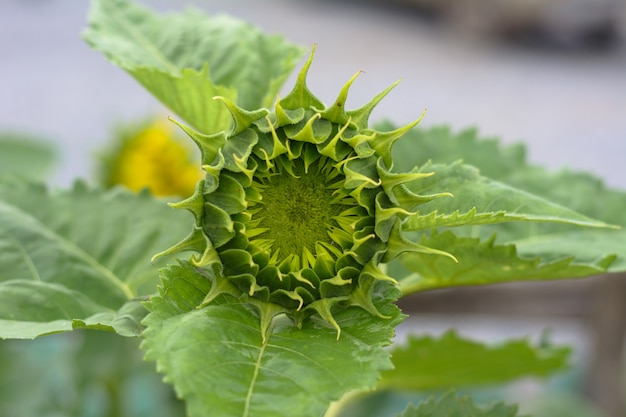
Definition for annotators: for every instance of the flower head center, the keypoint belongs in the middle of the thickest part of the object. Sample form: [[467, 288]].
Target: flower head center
[[297, 211]]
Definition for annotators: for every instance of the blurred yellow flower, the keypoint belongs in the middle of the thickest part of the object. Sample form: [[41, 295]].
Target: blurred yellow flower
[[152, 156]]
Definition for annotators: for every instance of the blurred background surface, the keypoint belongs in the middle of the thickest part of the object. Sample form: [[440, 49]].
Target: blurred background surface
[[549, 73], [564, 97]]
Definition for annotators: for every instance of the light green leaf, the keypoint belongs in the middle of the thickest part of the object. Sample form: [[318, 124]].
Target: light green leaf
[[449, 405], [484, 262], [186, 59], [219, 363], [25, 156], [478, 200], [427, 363], [79, 258]]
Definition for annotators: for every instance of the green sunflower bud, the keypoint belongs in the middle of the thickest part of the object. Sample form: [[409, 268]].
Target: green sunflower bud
[[299, 206]]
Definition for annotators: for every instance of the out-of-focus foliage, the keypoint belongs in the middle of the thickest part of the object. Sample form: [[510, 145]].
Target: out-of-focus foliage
[[450, 405], [78, 258], [427, 363], [85, 374], [26, 155]]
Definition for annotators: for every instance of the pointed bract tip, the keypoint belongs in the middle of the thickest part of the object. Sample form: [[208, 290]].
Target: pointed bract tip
[[383, 141], [242, 119], [337, 112], [193, 203], [399, 244], [207, 144], [300, 95], [361, 115]]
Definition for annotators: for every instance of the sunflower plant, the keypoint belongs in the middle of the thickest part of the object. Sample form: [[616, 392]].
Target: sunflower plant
[[306, 226]]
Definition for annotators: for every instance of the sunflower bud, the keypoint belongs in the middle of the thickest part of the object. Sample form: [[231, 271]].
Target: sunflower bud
[[299, 207]]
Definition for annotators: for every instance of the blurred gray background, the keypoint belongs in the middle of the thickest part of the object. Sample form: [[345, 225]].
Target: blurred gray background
[[558, 85], [564, 98]]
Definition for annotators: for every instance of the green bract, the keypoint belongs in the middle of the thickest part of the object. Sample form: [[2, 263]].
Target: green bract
[[299, 206]]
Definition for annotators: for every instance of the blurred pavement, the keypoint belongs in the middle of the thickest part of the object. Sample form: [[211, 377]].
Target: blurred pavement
[[569, 107]]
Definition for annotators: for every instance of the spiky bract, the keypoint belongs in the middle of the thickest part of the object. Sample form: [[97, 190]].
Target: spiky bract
[[299, 206]]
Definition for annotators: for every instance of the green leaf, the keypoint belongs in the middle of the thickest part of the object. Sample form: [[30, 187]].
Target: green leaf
[[427, 363], [483, 262], [479, 200], [541, 247], [78, 258], [220, 363], [597, 244], [25, 156], [186, 59], [508, 164], [440, 145], [449, 405]]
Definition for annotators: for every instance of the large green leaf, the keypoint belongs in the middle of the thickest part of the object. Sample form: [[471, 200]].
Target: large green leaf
[[220, 363], [537, 250], [485, 262], [478, 200], [508, 164], [426, 363], [188, 58], [26, 156], [449, 405], [79, 258], [577, 191]]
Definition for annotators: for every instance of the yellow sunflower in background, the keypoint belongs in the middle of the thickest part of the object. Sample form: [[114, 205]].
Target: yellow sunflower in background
[[151, 155]]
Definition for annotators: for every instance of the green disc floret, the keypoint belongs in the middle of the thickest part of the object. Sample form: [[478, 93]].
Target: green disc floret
[[301, 213]]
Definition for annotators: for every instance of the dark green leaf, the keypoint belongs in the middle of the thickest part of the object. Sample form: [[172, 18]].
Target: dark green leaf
[[219, 363]]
